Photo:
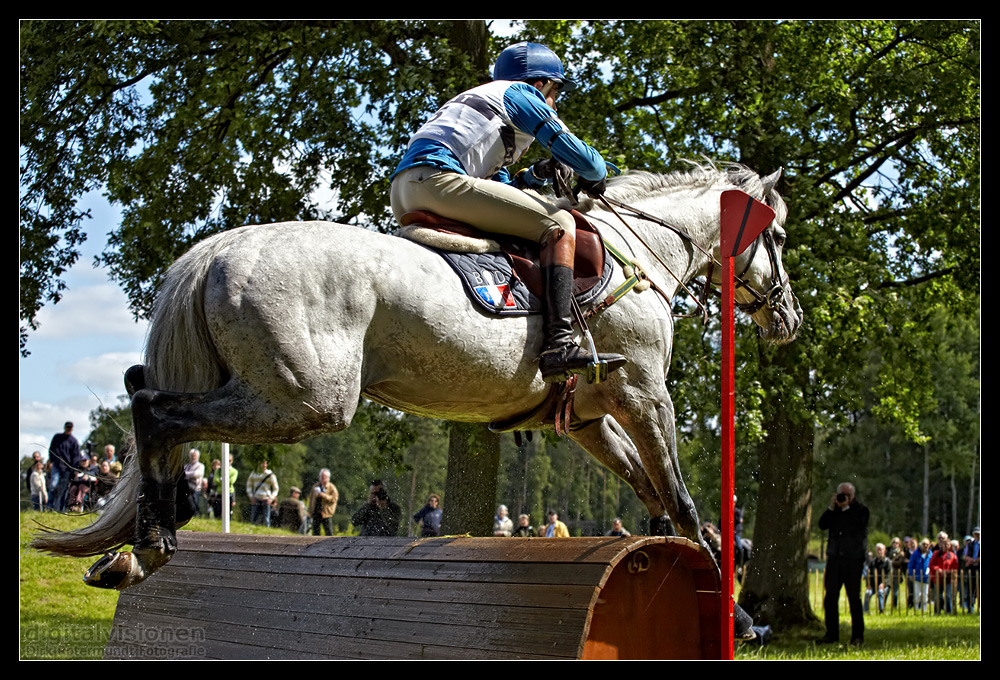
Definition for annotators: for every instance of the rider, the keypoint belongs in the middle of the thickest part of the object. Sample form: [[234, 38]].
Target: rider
[[455, 167]]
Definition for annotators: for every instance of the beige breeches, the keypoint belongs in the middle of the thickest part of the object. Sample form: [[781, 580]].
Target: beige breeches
[[482, 203]]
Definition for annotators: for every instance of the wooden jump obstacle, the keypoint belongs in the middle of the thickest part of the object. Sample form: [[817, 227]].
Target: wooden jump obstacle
[[230, 596]]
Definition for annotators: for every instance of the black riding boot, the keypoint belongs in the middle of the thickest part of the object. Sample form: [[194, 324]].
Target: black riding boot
[[561, 356]]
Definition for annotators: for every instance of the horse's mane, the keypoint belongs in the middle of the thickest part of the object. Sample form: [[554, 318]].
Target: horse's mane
[[639, 184]]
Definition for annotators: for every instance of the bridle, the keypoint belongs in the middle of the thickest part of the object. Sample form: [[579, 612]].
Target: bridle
[[770, 298]]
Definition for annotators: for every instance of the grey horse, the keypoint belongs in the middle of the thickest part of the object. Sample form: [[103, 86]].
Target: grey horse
[[272, 333]]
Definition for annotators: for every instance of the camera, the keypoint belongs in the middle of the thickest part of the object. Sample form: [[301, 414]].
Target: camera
[[841, 497]]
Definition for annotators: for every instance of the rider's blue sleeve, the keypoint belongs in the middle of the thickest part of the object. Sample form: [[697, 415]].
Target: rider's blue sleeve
[[503, 176], [531, 114]]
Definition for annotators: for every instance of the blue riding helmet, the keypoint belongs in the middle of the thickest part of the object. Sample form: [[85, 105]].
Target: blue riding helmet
[[527, 61]]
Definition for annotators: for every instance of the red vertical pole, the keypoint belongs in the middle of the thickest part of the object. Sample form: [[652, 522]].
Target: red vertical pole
[[742, 220], [728, 456]]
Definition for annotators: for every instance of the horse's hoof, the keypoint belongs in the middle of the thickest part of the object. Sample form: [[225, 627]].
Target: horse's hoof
[[742, 625], [661, 526], [113, 571]]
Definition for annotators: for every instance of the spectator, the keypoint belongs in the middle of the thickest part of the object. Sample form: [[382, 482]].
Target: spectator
[[943, 569], [918, 571], [105, 483], [617, 529], [379, 516], [554, 528], [262, 489], [846, 519], [64, 452], [913, 545], [969, 560], [194, 473], [879, 578], [36, 457], [502, 524], [292, 512], [81, 481], [215, 487], [323, 504], [899, 556], [524, 528], [114, 464], [430, 517], [37, 485]]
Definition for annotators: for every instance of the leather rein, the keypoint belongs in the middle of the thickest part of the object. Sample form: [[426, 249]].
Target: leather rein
[[771, 298]]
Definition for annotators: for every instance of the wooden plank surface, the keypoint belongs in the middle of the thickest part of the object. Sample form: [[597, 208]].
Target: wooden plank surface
[[236, 596]]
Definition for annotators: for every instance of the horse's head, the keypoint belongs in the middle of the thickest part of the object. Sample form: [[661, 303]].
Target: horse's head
[[767, 294], [684, 203]]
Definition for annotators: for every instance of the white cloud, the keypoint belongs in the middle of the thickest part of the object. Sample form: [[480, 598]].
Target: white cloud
[[103, 374], [39, 421], [91, 310]]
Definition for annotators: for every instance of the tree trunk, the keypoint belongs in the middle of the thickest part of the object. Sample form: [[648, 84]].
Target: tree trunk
[[471, 487], [776, 591], [954, 506], [925, 518], [969, 523], [473, 451]]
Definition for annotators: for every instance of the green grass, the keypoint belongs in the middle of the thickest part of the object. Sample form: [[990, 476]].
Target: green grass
[[895, 636], [61, 618], [886, 638]]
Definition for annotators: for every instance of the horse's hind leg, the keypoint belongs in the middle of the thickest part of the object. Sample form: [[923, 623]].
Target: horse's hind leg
[[164, 420]]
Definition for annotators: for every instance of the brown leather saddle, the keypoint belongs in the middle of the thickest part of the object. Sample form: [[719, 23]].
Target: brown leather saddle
[[589, 270]]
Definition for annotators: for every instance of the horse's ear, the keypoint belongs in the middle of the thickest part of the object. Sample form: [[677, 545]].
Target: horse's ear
[[771, 181]]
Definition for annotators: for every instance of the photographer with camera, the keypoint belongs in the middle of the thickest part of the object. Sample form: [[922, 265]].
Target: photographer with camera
[[379, 516], [847, 521]]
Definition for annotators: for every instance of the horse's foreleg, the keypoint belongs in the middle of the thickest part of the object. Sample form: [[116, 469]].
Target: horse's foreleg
[[607, 442], [654, 435], [651, 427]]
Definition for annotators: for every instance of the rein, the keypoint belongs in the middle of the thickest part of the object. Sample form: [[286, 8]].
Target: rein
[[771, 298]]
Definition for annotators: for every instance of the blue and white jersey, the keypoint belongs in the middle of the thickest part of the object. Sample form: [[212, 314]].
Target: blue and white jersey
[[487, 128]]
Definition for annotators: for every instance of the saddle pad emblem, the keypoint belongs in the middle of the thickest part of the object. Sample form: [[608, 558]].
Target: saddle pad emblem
[[489, 281], [495, 294]]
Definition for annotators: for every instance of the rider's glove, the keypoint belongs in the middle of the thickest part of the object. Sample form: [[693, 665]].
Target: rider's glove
[[546, 169], [560, 174], [591, 188]]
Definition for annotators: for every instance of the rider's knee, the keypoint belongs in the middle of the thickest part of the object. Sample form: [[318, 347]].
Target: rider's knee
[[562, 229]]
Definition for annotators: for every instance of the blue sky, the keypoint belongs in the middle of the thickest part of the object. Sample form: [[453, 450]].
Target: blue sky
[[81, 349]]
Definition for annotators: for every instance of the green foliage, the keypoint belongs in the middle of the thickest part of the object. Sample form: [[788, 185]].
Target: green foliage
[[194, 127], [880, 456]]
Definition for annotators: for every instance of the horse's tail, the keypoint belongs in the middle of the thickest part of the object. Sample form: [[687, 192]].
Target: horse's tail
[[180, 357], [114, 527]]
